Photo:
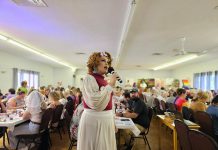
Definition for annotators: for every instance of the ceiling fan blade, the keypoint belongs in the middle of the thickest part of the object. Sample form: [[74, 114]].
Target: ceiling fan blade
[[192, 52], [177, 54]]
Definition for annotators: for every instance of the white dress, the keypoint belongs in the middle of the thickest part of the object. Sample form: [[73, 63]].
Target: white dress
[[96, 127]]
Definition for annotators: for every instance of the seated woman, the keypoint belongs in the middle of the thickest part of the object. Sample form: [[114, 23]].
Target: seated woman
[[35, 107], [75, 121], [63, 99], [199, 104], [2, 106], [54, 98], [11, 93], [2, 110], [17, 101], [181, 101]]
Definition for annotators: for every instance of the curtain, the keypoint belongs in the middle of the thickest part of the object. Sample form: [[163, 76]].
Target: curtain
[[216, 80], [15, 78], [196, 83], [208, 80], [203, 80]]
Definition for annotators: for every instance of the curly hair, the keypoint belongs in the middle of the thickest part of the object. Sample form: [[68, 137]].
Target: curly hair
[[202, 95], [94, 60]]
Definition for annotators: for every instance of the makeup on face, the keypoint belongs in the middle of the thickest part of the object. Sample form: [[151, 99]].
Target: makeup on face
[[103, 65]]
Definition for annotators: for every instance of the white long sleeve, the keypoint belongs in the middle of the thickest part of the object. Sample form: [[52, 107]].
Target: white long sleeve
[[96, 99]]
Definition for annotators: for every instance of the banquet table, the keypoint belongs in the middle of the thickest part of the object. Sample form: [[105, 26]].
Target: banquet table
[[9, 121], [171, 125], [125, 123]]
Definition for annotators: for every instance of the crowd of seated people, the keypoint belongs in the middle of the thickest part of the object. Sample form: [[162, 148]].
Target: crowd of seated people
[[35, 102], [131, 103], [193, 99]]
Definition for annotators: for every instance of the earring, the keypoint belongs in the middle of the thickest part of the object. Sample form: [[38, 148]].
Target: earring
[[95, 70]]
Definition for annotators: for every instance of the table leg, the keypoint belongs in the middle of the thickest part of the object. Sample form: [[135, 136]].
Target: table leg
[[118, 140], [159, 142], [175, 142], [4, 145]]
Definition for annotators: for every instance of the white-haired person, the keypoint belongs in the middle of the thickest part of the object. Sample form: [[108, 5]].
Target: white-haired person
[[96, 127], [35, 108]]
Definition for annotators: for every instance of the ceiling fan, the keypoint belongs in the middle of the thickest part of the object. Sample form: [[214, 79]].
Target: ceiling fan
[[183, 51]]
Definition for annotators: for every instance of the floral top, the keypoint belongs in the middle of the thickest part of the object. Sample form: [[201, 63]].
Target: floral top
[[74, 124]]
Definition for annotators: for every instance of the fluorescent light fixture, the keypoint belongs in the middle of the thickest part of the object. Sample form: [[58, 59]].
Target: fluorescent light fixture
[[23, 46], [127, 22], [3, 37], [13, 42], [178, 61]]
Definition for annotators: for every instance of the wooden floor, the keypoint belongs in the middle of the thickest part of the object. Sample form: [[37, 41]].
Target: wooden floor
[[166, 139]]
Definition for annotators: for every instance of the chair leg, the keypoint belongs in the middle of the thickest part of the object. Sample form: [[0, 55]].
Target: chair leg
[[69, 134], [130, 141], [71, 145], [7, 137], [49, 139], [4, 142], [144, 139], [147, 142], [17, 144], [63, 129], [60, 133]]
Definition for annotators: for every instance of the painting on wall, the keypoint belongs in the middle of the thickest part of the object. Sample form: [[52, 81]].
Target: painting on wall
[[146, 83], [175, 83], [186, 83]]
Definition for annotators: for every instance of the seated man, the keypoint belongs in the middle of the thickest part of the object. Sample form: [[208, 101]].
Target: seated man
[[17, 101], [213, 111], [126, 102], [138, 113]]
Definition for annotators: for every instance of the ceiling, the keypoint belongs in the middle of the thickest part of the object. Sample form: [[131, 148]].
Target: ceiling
[[70, 26]]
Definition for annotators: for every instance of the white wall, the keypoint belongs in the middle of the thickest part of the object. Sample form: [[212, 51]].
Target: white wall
[[65, 76], [187, 71], [8, 61], [79, 74], [131, 75]]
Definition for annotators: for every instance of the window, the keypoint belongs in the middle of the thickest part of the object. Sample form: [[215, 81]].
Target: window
[[196, 81], [204, 81], [31, 77], [216, 80]]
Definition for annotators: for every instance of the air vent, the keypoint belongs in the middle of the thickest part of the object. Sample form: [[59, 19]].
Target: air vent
[[80, 53], [157, 54], [138, 66], [33, 3]]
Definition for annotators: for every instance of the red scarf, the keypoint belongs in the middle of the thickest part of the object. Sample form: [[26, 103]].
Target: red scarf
[[101, 82]]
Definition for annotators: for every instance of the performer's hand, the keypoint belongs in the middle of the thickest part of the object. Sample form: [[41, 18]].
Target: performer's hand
[[113, 79]]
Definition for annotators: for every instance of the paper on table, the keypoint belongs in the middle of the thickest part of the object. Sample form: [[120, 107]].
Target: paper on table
[[124, 123], [188, 123]]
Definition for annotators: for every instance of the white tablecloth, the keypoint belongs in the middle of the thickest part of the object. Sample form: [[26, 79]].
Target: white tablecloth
[[12, 123], [126, 123]]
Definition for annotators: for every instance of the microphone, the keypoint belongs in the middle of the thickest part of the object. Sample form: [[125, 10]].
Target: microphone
[[111, 71]]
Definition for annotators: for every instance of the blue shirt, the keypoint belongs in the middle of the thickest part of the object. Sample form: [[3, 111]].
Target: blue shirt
[[213, 111]]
